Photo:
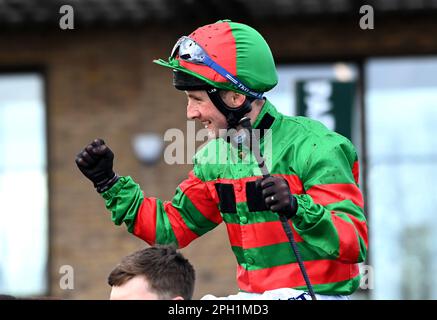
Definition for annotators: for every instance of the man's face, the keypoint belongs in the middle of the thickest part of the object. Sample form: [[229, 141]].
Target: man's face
[[200, 107], [136, 288]]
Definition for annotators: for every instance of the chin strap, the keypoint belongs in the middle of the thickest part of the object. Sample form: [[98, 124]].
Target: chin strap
[[233, 115]]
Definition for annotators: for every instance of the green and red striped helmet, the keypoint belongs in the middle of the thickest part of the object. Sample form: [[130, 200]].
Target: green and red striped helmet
[[236, 47]]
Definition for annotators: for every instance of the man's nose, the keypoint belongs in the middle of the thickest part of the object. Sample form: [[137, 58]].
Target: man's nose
[[192, 112]]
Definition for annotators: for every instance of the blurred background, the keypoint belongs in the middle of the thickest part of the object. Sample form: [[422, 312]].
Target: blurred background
[[59, 89]]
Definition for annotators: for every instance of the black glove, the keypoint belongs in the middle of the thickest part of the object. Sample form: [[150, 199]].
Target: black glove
[[277, 196], [95, 162]]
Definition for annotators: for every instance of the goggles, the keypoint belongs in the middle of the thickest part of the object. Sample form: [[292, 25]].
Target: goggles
[[188, 50]]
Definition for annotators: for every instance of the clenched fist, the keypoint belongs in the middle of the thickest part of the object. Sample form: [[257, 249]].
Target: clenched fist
[[95, 161], [277, 196]]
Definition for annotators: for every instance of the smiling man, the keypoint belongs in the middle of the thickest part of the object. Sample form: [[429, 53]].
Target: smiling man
[[201, 108], [224, 69]]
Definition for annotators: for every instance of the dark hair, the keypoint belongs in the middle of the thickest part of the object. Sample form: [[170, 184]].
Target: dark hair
[[168, 273]]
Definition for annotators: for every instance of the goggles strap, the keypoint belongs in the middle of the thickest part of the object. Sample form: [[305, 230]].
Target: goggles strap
[[233, 115]]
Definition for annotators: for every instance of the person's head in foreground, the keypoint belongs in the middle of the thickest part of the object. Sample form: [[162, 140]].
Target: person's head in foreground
[[154, 273]]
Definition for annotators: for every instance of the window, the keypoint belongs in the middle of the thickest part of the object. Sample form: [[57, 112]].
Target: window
[[283, 95], [401, 105], [23, 185]]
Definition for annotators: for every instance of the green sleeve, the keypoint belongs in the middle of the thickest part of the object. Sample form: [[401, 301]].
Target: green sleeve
[[330, 214], [123, 200]]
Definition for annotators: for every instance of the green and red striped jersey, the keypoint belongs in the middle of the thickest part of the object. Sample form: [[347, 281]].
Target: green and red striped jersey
[[321, 168]]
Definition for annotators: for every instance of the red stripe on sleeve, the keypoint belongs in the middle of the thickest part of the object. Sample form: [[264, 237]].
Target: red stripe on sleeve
[[325, 194], [294, 183], [289, 275], [192, 179], [356, 171], [145, 223], [349, 247], [199, 195], [361, 227], [259, 234], [182, 233]]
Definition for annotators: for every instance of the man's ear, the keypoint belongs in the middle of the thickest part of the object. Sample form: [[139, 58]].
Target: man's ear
[[233, 99], [238, 99]]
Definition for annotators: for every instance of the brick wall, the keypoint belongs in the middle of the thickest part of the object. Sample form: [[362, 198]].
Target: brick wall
[[103, 84]]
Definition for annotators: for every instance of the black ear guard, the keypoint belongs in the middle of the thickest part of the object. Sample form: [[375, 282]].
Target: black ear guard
[[233, 115]]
